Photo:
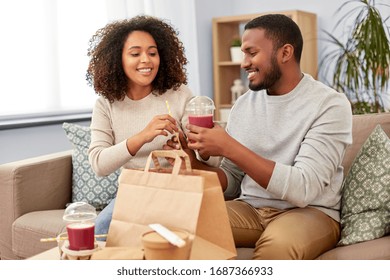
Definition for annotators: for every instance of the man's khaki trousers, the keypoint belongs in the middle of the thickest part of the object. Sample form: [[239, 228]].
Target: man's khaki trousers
[[298, 233]]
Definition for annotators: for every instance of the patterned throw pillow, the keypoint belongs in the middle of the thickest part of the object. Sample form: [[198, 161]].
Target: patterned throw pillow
[[86, 186], [365, 205]]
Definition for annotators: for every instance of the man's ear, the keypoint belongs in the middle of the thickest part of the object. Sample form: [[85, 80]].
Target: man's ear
[[287, 52]]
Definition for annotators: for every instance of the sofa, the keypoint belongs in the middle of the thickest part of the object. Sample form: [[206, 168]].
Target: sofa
[[35, 191]]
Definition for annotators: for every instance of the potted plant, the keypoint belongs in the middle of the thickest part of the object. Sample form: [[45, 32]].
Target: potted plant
[[236, 54], [360, 65]]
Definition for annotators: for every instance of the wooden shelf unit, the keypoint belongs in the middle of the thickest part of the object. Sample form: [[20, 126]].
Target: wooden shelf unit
[[229, 27]]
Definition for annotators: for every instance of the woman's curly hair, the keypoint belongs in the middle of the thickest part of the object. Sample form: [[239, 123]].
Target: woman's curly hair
[[105, 71]]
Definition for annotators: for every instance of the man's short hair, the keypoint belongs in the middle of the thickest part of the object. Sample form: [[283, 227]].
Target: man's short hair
[[281, 30]]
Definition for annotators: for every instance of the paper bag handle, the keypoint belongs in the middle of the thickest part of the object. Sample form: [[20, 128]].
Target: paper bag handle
[[178, 155]]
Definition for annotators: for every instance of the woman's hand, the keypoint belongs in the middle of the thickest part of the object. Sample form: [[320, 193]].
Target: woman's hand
[[176, 143], [173, 144], [159, 125]]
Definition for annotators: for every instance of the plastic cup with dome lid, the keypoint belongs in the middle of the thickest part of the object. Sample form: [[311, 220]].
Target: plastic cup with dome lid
[[200, 110], [80, 218]]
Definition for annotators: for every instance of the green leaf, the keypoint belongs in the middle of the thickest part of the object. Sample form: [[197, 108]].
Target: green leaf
[[360, 64]]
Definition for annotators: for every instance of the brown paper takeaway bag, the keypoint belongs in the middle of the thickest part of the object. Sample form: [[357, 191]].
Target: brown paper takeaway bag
[[177, 197]]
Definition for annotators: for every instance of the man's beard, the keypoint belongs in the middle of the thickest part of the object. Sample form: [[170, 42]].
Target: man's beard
[[271, 77]]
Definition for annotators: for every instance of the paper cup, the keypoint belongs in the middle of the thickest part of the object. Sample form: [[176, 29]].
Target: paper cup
[[157, 247]]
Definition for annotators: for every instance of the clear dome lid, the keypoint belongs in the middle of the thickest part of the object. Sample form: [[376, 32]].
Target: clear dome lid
[[79, 212], [200, 105]]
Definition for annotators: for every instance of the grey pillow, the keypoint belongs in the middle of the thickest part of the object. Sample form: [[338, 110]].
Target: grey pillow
[[365, 204], [86, 186]]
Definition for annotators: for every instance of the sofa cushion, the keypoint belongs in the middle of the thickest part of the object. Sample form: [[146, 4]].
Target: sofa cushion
[[86, 186], [362, 127], [365, 205], [28, 230], [377, 249]]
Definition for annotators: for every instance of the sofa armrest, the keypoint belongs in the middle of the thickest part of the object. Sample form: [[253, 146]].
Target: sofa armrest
[[34, 184], [39, 183]]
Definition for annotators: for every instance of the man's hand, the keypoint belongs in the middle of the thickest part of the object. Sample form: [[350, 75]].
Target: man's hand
[[208, 141]]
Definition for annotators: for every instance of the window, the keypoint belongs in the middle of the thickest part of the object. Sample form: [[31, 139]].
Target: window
[[43, 54]]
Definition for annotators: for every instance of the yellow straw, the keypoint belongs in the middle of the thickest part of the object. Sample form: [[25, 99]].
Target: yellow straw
[[169, 109], [66, 238]]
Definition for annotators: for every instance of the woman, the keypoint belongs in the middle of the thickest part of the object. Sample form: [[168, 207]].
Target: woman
[[138, 67]]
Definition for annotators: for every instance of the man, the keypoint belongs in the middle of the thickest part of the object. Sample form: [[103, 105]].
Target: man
[[282, 149]]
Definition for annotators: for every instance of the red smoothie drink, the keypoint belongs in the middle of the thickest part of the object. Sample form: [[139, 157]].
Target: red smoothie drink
[[81, 236], [201, 120]]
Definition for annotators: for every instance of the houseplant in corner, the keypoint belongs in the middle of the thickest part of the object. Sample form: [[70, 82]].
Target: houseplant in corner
[[360, 65], [236, 54]]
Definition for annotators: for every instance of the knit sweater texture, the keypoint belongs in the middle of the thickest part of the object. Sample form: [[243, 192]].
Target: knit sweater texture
[[306, 133], [113, 123]]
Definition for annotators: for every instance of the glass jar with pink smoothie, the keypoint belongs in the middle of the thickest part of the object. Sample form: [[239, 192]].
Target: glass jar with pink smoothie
[[200, 110]]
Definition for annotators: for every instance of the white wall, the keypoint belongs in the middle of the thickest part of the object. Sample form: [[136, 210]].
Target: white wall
[[206, 10], [21, 143]]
